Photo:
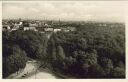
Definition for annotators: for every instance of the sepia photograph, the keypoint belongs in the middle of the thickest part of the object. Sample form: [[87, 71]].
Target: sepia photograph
[[63, 40]]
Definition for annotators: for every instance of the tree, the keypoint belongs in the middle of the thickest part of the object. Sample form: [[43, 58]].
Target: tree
[[15, 61], [121, 64], [91, 51], [34, 43], [60, 54], [89, 57], [96, 71], [107, 64], [117, 72]]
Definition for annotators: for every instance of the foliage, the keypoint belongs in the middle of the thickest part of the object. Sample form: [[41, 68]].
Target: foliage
[[91, 52], [95, 50], [33, 43], [18, 45], [15, 60]]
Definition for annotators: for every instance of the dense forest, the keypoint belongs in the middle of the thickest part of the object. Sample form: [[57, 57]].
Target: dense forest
[[18, 46], [90, 52]]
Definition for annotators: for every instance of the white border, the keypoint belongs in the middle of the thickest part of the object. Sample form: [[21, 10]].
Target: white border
[[1, 39], [68, 80]]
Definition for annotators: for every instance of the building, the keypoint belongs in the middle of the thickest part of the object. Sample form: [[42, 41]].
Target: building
[[20, 23], [71, 28], [47, 25], [13, 29], [33, 25], [6, 27], [30, 28], [48, 29], [56, 30], [65, 30], [16, 27], [102, 24]]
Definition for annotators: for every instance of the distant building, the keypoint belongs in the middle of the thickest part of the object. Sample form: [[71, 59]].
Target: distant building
[[71, 28], [102, 24], [25, 24], [33, 25], [13, 29], [56, 30], [65, 30], [16, 27], [47, 25], [20, 23], [6, 27], [48, 29], [31, 61], [40, 24], [30, 28], [26, 28]]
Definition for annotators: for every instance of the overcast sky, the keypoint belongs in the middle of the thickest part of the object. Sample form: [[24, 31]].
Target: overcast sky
[[65, 10]]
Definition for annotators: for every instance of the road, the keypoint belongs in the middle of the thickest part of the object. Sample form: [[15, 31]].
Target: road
[[31, 71]]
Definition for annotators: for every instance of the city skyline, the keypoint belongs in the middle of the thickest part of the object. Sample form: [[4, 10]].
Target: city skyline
[[65, 10]]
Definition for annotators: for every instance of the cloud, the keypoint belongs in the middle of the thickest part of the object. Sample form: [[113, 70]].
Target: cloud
[[65, 10]]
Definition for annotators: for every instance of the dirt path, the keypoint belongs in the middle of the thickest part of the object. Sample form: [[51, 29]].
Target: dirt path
[[41, 74], [31, 71]]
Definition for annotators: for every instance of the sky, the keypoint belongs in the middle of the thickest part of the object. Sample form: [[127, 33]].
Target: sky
[[65, 10]]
